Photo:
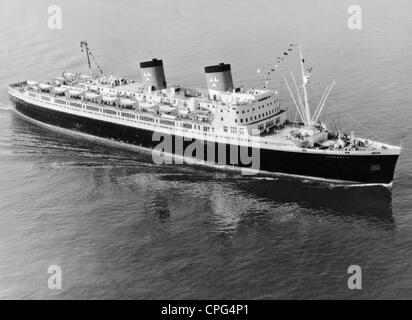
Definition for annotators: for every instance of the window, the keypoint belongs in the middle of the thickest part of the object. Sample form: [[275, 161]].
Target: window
[[233, 130], [109, 111], [145, 118], [78, 105], [127, 115], [167, 122], [225, 128], [187, 125], [60, 101]]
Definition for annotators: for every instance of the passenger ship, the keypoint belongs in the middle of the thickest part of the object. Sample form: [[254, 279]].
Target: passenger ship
[[228, 120]]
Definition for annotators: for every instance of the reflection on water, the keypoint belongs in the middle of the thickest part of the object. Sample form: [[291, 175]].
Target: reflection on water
[[370, 202]]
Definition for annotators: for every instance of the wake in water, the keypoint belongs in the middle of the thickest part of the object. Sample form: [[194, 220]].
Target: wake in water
[[361, 185], [5, 106], [332, 185]]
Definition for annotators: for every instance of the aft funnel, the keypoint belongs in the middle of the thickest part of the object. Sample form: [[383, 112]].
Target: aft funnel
[[219, 77], [153, 75]]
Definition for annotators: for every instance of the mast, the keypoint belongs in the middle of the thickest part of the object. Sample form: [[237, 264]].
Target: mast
[[304, 82], [83, 45], [302, 103]]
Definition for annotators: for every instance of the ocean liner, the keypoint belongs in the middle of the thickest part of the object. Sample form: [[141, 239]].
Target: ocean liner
[[227, 122]]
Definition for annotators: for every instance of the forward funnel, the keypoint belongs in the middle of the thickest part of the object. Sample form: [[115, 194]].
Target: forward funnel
[[153, 75]]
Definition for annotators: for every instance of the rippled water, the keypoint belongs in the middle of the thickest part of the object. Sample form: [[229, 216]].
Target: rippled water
[[121, 227]]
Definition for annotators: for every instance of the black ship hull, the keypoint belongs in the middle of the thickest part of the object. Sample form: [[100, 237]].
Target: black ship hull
[[368, 169]]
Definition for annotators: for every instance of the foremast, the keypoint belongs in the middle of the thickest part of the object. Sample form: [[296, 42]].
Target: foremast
[[305, 80], [302, 104]]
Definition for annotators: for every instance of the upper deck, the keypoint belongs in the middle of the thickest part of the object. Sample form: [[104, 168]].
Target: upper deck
[[252, 111]]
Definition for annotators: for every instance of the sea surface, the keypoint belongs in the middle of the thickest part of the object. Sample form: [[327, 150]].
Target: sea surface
[[121, 227]]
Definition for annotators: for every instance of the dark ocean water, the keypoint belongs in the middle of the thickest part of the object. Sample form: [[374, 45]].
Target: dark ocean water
[[121, 227]]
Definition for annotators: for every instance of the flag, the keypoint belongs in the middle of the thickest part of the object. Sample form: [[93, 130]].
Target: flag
[[307, 75]]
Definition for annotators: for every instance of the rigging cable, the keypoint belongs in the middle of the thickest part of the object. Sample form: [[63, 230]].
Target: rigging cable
[[359, 122]]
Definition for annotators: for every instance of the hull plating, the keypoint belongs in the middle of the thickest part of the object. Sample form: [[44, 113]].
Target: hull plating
[[370, 169]]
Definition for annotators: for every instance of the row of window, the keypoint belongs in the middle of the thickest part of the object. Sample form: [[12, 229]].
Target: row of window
[[142, 117], [167, 122], [268, 124], [91, 108], [261, 99], [253, 109], [108, 111], [259, 116], [145, 118], [77, 105], [128, 115], [234, 130], [60, 101]]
